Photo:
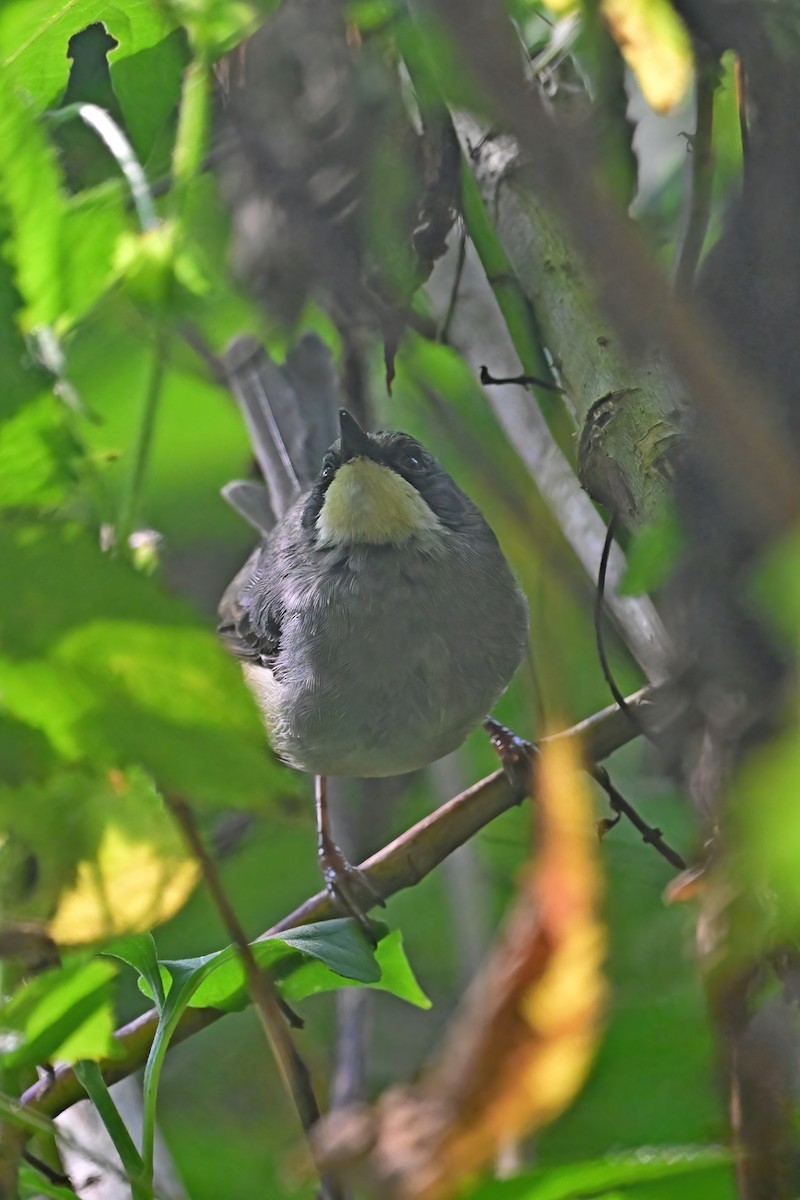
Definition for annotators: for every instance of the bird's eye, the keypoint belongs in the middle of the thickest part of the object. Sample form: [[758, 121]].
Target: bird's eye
[[410, 460], [328, 472]]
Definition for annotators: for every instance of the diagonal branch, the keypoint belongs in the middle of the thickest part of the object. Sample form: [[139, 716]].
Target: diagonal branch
[[401, 864], [630, 288]]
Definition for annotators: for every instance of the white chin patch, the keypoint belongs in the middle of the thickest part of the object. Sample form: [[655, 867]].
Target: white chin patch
[[370, 504]]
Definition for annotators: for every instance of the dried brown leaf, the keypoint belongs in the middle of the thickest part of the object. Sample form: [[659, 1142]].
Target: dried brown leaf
[[520, 1046]]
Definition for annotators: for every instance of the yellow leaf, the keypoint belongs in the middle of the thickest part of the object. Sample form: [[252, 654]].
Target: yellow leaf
[[139, 874], [653, 41], [656, 46]]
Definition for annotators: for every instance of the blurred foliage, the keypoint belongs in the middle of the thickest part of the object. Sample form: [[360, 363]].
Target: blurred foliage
[[114, 691]]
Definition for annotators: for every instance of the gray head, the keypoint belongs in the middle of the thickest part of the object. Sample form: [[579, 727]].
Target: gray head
[[380, 489]]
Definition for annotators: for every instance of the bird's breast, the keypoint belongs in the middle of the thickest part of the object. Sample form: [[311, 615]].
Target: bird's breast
[[387, 664]]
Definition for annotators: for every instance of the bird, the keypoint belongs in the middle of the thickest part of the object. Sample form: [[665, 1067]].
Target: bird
[[378, 620]]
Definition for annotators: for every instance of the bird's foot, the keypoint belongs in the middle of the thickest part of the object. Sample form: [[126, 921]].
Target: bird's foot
[[347, 885], [516, 755]]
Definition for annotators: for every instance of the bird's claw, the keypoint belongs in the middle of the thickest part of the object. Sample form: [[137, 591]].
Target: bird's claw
[[516, 755], [344, 882]]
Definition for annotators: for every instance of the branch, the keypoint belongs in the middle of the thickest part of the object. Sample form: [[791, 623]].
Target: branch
[[264, 996], [535, 432], [629, 412], [401, 864], [629, 286]]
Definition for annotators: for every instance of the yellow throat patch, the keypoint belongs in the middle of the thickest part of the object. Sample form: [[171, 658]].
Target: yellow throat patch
[[372, 504]]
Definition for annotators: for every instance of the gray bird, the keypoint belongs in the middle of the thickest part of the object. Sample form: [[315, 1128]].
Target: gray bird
[[378, 621]]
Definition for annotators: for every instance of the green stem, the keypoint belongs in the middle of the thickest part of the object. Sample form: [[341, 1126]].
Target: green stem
[[106, 127], [132, 496], [91, 1079], [191, 139]]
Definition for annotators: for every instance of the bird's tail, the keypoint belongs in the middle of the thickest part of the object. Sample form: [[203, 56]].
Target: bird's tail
[[291, 413]]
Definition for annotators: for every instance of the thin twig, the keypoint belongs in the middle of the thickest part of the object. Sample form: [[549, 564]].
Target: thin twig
[[740, 78], [649, 833], [486, 379], [50, 1173], [401, 864], [599, 599], [444, 332], [293, 1070], [702, 172], [132, 496]]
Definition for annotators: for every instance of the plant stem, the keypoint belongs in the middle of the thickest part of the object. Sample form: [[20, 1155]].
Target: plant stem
[[132, 496]]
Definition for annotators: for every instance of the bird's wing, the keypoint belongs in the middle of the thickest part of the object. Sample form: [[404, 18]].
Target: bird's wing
[[250, 613]]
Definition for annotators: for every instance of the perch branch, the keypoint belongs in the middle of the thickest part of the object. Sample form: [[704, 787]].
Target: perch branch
[[401, 864]]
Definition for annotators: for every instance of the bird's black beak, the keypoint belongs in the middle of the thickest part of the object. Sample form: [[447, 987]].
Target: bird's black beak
[[355, 442]]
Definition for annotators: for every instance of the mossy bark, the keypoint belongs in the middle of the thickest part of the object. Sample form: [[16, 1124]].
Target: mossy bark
[[629, 412]]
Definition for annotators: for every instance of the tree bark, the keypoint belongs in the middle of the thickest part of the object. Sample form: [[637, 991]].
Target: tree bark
[[630, 413]]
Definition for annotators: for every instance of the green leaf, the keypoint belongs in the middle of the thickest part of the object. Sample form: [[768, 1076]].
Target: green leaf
[[35, 36], [602, 1175], [38, 453], [330, 955], [303, 962], [91, 1080], [30, 189], [63, 1015], [93, 223], [149, 686], [23, 379], [396, 974], [63, 248], [107, 857], [652, 554], [147, 84], [25, 754], [139, 951]]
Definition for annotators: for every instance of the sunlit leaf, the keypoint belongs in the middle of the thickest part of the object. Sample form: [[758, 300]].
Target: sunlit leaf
[[94, 221], [91, 856], [147, 83], [145, 686], [30, 191], [37, 455], [62, 1015], [63, 247], [654, 42], [303, 962], [35, 36], [138, 950], [521, 1044], [139, 876], [656, 46]]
